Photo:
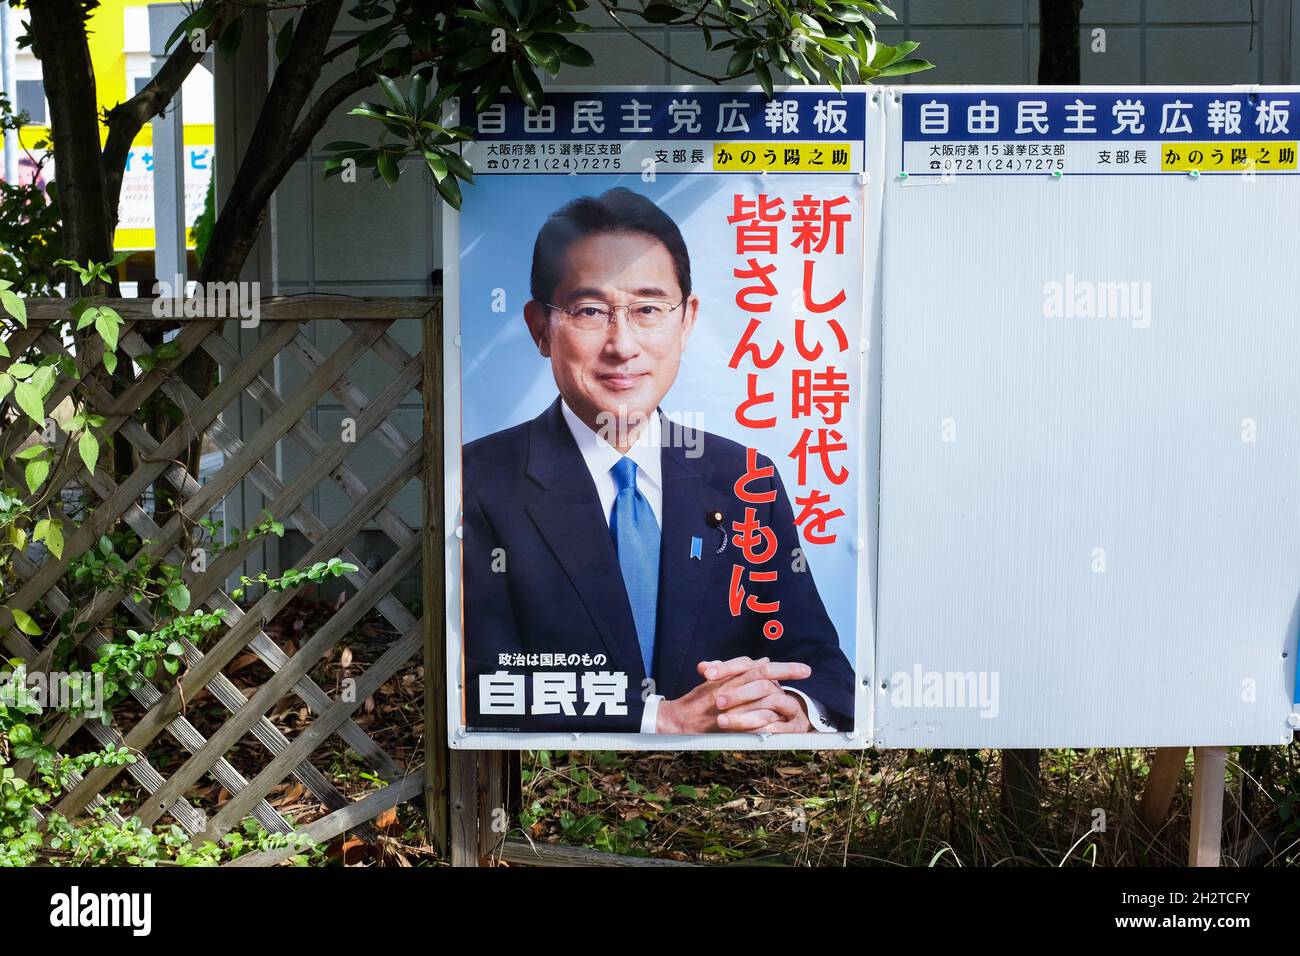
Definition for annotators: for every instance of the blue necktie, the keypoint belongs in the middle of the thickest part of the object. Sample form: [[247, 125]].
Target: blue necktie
[[636, 538]]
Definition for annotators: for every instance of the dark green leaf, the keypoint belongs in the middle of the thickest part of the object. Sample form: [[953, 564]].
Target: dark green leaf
[[284, 40], [449, 189], [418, 94], [739, 63], [491, 87], [903, 67], [346, 147], [545, 58], [572, 54], [458, 166], [200, 19], [394, 94], [387, 167], [475, 56], [228, 43], [662, 13], [526, 85], [492, 10]]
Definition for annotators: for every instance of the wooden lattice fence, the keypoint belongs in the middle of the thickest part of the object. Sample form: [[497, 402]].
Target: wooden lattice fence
[[243, 751]]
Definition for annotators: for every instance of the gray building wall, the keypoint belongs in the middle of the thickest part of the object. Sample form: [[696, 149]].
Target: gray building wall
[[364, 238]]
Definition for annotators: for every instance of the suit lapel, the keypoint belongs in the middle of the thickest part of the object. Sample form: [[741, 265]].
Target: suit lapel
[[686, 584], [568, 516]]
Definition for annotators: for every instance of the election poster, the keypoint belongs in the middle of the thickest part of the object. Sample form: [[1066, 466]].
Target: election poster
[[1088, 524], [660, 430]]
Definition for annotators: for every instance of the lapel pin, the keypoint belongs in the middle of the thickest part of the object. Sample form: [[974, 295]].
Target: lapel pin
[[697, 548], [714, 520]]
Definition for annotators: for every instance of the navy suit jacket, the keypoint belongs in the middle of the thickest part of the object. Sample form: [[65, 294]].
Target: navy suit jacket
[[527, 491]]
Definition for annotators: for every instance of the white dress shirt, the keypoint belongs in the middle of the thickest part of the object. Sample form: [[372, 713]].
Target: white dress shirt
[[600, 456]]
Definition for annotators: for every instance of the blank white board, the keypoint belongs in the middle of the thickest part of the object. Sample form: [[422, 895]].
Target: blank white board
[[1089, 525]]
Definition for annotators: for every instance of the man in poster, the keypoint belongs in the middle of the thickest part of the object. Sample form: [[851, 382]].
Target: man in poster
[[601, 577]]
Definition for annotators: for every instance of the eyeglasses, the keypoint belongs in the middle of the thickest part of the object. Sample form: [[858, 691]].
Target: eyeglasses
[[647, 315]]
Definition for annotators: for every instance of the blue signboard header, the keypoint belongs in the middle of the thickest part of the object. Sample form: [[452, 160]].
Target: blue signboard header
[[715, 115], [1137, 114]]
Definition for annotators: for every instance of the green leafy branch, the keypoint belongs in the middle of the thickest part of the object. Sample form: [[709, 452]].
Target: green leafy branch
[[144, 579], [409, 119], [25, 518], [333, 568], [214, 531], [127, 665], [493, 44]]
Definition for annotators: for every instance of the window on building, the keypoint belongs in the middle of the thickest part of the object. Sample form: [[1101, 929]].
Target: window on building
[[31, 100]]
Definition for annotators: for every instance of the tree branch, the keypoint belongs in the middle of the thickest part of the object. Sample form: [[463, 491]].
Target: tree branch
[[343, 48], [125, 120], [612, 10], [59, 34], [339, 91], [267, 157]]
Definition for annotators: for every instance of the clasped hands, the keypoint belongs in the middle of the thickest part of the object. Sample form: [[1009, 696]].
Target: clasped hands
[[740, 695]]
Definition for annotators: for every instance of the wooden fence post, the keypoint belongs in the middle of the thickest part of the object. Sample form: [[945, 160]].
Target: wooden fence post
[[465, 791], [1162, 784], [1207, 807], [493, 816], [434, 581], [1022, 789], [464, 808], [1204, 846]]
